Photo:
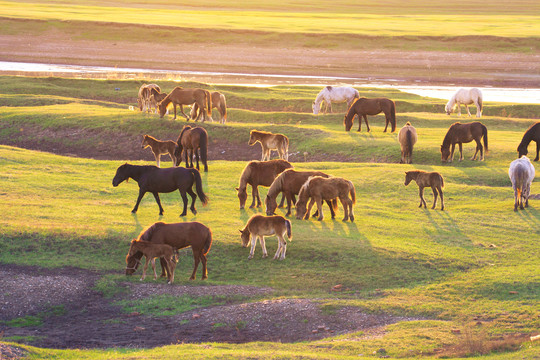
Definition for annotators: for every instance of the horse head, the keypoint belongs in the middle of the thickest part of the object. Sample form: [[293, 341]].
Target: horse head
[[133, 259], [445, 153], [300, 209], [522, 150], [408, 178], [162, 106], [252, 139], [242, 196], [348, 123], [121, 175], [271, 205], [315, 108], [145, 142], [245, 236]]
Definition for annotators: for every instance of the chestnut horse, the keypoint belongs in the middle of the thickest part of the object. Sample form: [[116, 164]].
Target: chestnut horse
[[259, 173], [192, 140], [152, 251], [155, 180], [179, 96], [159, 148], [269, 142], [532, 134], [363, 107], [521, 173], [259, 226], [178, 236], [218, 102], [143, 99], [407, 138], [464, 133], [427, 179]]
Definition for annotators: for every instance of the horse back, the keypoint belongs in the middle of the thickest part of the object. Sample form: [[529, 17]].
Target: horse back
[[266, 225], [181, 235]]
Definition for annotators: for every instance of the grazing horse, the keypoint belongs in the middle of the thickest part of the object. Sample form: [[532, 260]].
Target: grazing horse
[[192, 140], [156, 97], [179, 96], [465, 97], [336, 94], [424, 179], [318, 189], [532, 134], [407, 138], [464, 133], [218, 102], [155, 180], [521, 173], [364, 106], [269, 142], [178, 236], [152, 251], [159, 148], [289, 182], [143, 99], [259, 173], [259, 226]]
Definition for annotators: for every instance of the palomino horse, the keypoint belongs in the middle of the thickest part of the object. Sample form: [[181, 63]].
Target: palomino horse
[[155, 180], [178, 236], [259, 226], [218, 102], [532, 134], [192, 140], [318, 189], [465, 97], [331, 94], [159, 148], [521, 173], [363, 107], [259, 173], [464, 133], [269, 142], [152, 251], [424, 179], [179, 96], [407, 138], [143, 99], [289, 182]]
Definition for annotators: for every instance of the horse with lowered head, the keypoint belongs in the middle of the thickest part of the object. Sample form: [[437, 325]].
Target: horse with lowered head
[[152, 251], [192, 140], [423, 179], [269, 142], [521, 173], [407, 138], [144, 97], [180, 96], [465, 97], [364, 106], [218, 102], [178, 236], [259, 226], [532, 134], [337, 94], [464, 133]]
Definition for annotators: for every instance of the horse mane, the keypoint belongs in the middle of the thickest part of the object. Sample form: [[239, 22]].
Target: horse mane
[[448, 137], [329, 88], [529, 135], [277, 185], [146, 234], [246, 174], [186, 127], [260, 132]]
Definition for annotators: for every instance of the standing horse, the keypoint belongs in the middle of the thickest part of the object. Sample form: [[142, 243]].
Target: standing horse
[[179, 96], [465, 97], [192, 140], [159, 148], [424, 179], [336, 94], [178, 236], [218, 102], [259, 226], [521, 173], [464, 133], [155, 180], [152, 251], [156, 97], [407, 138], [363, 107], [532, 134], [143, 98], [269, 142]]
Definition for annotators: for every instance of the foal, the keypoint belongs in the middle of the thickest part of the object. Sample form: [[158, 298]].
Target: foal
[[269, 142], [160, 148], [424, 179], [259, 226], [152, 251]]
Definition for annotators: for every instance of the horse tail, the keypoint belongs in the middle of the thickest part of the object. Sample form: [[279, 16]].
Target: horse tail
[[285, 148], [198, 186], [203, 146], [208, 242], [393, 115], [223, 106], [480, 102], [352, 191], [408, 140], [442, 181], [208, 100], [485, 134], [289, 229]]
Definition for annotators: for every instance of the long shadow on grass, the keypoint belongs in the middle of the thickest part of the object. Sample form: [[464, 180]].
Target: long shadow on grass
[[444, 229]]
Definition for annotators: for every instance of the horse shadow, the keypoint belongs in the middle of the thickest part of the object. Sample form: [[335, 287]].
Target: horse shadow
[[530, 216], [446, 231]]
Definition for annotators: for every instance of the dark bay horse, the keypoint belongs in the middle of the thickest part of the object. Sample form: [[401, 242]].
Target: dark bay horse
[[156, 180], [364, 106], [192, 140], [464, 133], [178, 236], [424, 179], [532, 134]]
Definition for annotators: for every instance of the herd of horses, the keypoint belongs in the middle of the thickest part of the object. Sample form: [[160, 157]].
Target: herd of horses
[[162, 240]]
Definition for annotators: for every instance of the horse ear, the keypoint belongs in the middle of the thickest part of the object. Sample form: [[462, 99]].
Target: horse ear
[[236, 189], [241, 232]]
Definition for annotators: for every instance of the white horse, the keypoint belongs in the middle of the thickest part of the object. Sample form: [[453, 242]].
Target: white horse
[[466, 97], [336, 94], [521, 173]]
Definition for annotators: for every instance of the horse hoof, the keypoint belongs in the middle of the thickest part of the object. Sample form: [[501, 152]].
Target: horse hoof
[[194, 211], [250, 257], [320, 218]]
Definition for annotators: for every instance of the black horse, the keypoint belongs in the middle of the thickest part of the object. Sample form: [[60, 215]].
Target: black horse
[[156, 180], [532, 134]]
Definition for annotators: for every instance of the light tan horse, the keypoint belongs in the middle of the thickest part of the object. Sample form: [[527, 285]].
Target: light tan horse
[[152, 251], [269, 142], [318, 189], [423, 179], [143, 98], [179, 96], [218, 102], [407, 138], [259, 226], [159, 148]]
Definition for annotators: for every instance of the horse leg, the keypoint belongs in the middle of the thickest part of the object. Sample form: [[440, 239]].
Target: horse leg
[[460, 151], [173, 158], [289, 203], [157, 156], [441, 195], [174, 106], [319, 207], [253, 243], [254, 196], [193, 198], [184, 200], [468, 112], [156, 196], [537, 150], [171, 264], [154, 268], [308, 211], [351, 213], [182, 111], [452, 152], [480, 148], [421, 194], [164, 269], [434, 189], [345, 209], [204, 268], [280, 246], [387, 121], [516, 199], [139, 198], [263, 245], [367, 124], [282, 200], [196, 258], [186, 151], [145, 267]]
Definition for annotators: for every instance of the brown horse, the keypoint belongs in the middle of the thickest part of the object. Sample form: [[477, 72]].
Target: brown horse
[[532, 134], [318, 189], [155, 180], [192, 140], [156, 97], [427, 179], [363, 107], [152, 251], [289, 182], [159, 148], [259, 173], [259, 226], [269, 142], [178, 236], [464, 133], [179, 96], [407, 138], [218, 102], [143, 98]]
